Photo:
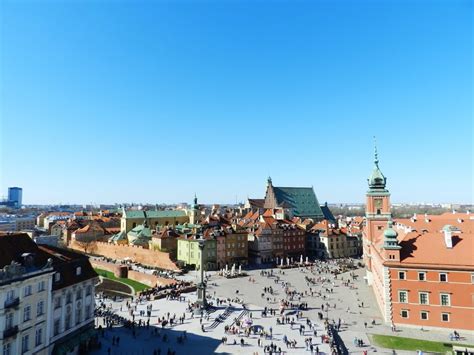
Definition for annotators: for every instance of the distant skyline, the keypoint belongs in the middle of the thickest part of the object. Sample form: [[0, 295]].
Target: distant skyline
[[153, 101]]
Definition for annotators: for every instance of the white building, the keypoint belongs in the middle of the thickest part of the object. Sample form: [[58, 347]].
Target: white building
[[46, 297]]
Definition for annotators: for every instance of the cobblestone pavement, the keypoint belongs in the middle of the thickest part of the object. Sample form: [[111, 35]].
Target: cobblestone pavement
[[354, 306]]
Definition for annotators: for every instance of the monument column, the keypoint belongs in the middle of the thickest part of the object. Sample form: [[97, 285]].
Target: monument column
[[201, 287]]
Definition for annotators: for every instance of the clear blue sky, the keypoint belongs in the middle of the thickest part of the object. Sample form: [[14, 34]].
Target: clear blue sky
[[151, 101]]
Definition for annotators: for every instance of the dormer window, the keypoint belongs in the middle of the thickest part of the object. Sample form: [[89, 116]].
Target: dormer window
[[78, 271], [57, 277]]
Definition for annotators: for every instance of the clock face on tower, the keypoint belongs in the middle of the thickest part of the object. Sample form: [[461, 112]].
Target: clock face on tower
[[378, 203]]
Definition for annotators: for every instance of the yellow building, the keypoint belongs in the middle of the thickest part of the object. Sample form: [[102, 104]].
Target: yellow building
[[132, 218]]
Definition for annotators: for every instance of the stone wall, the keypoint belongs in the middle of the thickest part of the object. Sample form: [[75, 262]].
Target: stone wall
[[136, 254], [150, 280]]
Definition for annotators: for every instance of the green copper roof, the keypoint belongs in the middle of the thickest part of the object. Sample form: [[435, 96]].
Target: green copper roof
[[119, 236], [302, 201], [376, 180], [154, 214], [135, 214], [165, 214], [140, 231], [390, 237]]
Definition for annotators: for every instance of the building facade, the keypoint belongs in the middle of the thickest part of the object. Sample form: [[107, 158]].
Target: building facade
[[15, 196], [421, 270], [154, 218], [32, 280], [190, 254]]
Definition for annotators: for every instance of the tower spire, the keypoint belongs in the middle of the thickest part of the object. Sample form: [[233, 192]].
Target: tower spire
[[376, 156]]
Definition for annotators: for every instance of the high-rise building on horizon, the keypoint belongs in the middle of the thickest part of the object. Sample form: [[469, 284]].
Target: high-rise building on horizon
[[15, 195]]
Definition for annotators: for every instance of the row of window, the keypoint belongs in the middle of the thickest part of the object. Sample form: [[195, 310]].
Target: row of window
[[25, 343], [68, 319], [57, 300], [442, 276], [424, 298], [293, 246], [27, 290], [424, 315]]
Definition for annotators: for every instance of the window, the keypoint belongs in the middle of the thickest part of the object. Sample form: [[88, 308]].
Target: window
[[424, 315], [404, 313], [67, 322], [443, 277], [40, 308], [9, 321], [424, 298], [57, 302], [26, 313], [78, 314], [7, 349], [27, 291], [445, 299], [41, 286], [88, 311], [25, 343], [57, 277], [10, 295], [422, 276], [78, 294], [472, 278], [401, 275], [56, 326], [39, 336], [68, 298], [78, 271], [88, 290], [445, 317], [403, 296]]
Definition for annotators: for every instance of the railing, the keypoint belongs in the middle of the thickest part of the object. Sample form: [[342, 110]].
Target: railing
[[14, 302], [12, 331]]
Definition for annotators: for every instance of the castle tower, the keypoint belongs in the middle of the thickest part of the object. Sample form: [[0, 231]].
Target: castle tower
[[391, 249], [377, 212]]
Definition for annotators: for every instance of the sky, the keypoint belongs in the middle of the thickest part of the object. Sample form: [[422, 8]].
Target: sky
[[154, 101]]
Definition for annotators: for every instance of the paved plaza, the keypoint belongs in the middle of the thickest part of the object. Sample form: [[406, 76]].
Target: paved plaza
[[350, 304]]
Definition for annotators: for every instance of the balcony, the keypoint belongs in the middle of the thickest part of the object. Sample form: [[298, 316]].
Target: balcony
[[10, 332], [14, 302]]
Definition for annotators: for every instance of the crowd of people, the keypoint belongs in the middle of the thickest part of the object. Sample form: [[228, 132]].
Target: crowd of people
[[172, 291], [289, 312]]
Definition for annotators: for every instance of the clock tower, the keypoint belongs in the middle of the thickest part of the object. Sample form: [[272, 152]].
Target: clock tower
[[377, 213]]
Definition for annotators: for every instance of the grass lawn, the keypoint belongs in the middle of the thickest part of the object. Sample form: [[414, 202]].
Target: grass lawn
[[137, 286], [391, 342]]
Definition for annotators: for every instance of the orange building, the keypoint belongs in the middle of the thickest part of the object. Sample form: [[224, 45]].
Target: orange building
[[421, 269]]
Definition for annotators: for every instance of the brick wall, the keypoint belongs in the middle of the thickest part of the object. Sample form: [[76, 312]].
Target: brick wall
[[150, 280], [137, 254]]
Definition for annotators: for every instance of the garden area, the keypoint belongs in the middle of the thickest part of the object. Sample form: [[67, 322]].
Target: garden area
[[115, 286], [400, 343]]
